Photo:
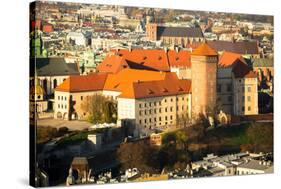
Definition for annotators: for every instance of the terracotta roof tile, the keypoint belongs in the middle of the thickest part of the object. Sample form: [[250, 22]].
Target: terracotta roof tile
[[144, 59], [112, 64], [167, 87], [181, 58], [92, 82], [228, 59], [204, 50]]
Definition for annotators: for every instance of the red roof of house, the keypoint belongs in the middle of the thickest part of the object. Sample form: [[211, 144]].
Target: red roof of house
[[144, 59], [150, 59], [204, 50], [228, 59], [178, 59], [165, 87], [130, 83], [78, 83], [112, 64]]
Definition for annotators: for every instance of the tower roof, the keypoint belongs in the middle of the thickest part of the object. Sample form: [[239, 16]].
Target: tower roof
[[204, 50]]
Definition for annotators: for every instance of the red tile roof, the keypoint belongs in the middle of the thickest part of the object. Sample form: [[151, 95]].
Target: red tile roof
[[150, 59], [144, 59], [112, 64], [165, 87], [130, 83], [204, 50], [228, 59], [77, 83], [178, 59]]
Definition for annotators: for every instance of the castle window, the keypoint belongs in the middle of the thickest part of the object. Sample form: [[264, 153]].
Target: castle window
[[229, 88], [81, 97], [249, 98], [249, 108], [219, 88], [58, 97], [140, 121], [249, 89], [171, 117], [166, 118], [229, 98], [139, 105]]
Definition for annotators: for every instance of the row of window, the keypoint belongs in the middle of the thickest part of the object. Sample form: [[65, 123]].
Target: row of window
[[228, 88], [147, 112], [62, 98], [150, 120], [248, 98], [62, 106], [249, 108], [150, 104]]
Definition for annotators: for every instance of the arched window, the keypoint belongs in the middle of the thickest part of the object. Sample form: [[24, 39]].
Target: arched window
[[45, 85]]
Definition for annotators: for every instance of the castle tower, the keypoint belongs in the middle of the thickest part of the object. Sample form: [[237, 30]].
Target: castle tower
[[204, 62]]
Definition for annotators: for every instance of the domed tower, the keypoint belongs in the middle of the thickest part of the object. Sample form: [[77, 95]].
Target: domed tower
[[204, 62], [36, 91]]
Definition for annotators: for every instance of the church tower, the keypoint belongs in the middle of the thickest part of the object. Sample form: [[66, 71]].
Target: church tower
[[204, 62]]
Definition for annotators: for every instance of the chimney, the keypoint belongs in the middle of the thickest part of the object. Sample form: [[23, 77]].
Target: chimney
[[177, 49], [165, 49]]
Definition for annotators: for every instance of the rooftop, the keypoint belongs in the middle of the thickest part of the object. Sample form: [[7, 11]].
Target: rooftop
[[179, 31], [53, 67], [204, 50], [229, 59]]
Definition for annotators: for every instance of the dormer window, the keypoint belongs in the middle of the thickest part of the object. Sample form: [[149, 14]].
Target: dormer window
[[150, 91], [159, 58], [165, 90]]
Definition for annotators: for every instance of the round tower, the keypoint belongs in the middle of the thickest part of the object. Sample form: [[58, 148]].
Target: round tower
[[204, 62]]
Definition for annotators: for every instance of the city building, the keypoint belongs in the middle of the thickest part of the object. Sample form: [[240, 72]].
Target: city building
[[248, 49], [149, 85], [237, 86], [51, 72], [174, 35], [144, 98], [243, 163]]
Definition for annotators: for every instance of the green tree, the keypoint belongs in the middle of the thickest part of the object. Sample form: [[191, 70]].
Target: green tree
[[138, 155], [100, 109]]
